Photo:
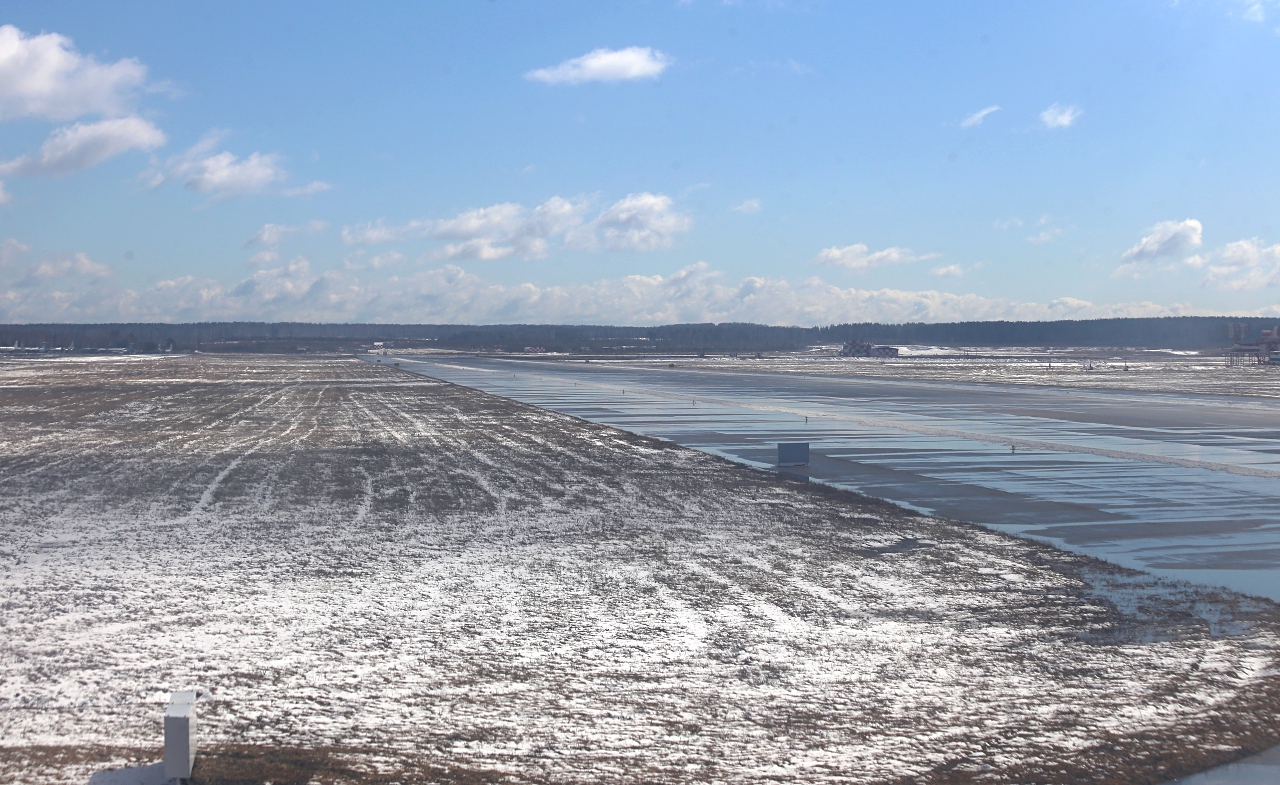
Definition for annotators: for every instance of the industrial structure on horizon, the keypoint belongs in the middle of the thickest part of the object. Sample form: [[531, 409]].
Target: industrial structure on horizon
[[1264, 351], [863, 349]]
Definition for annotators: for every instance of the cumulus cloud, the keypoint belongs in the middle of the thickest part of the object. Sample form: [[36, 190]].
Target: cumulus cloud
[[219, 174], [977, 117], [638, 222], [478, 233], [951, 269], [1059, 116], [84, 145], [505, 230], [859, 257], [749, 207], [224, 174], [486, 233], [68, 287], [11, 250], [287, 283], [480, 249], [272, 234], [1242, 265], [605, 65], [79, 265], [264, 258], [641, 222], [1167, 238], [44, 76]]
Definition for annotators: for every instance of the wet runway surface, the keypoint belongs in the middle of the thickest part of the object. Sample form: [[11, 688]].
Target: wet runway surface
[[1186, 486]]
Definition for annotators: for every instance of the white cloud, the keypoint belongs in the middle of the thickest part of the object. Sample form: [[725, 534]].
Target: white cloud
[[1242, 265], [44, 76], [1045, 236], [504, 230], [11, 250], [85, 145], [641, 222], [1008, 223], [79, 265], [859, 257], [357, 260], [500, 220], [749, 207], [480, 249], [977, 117], [951, 269], [372, 233], [264, 258], [224, 174], [272, 234], [605, 65], [487, 233], [287, 283], [555, 216], [387, 259], [1167, 238], [311, 188], [219, 174], [1059, 116], [296, 291], [638, 222]]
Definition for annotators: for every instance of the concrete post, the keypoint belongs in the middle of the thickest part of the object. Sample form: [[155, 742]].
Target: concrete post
[[180, 735]]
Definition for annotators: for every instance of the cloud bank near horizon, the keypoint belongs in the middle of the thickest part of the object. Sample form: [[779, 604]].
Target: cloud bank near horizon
[[77, 289]]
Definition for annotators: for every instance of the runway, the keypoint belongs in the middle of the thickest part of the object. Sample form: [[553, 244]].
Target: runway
[[1183, 485]]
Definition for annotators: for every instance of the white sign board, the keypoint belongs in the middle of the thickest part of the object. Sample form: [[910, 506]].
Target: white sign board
[[180, 735]]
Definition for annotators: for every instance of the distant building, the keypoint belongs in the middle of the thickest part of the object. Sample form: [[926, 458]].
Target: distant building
[[863, 349], [1264, 351]]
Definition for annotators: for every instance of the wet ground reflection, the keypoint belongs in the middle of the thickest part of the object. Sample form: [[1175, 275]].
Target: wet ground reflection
[[1186, 486], [1183, 485]]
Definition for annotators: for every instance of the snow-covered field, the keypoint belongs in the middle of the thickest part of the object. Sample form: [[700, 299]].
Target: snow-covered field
[[376, 572]]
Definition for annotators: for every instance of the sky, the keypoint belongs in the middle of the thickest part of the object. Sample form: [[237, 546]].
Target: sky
[[638, 162]]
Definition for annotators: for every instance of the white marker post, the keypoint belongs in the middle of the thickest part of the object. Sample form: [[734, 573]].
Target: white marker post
[[180, 735]]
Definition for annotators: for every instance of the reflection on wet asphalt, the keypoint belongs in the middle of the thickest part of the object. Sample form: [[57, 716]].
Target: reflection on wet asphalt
[[1186, 486]]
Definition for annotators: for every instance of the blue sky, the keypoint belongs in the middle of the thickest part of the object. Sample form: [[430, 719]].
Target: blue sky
[[646, 162]]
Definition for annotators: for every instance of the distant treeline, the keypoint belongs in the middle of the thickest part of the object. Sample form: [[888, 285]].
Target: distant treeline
[[1181, 332]]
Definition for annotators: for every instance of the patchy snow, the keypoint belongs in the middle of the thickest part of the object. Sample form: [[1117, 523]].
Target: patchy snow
[[344, 557]]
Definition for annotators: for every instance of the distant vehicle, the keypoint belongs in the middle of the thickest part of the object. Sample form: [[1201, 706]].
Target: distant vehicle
[[863, 349]]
